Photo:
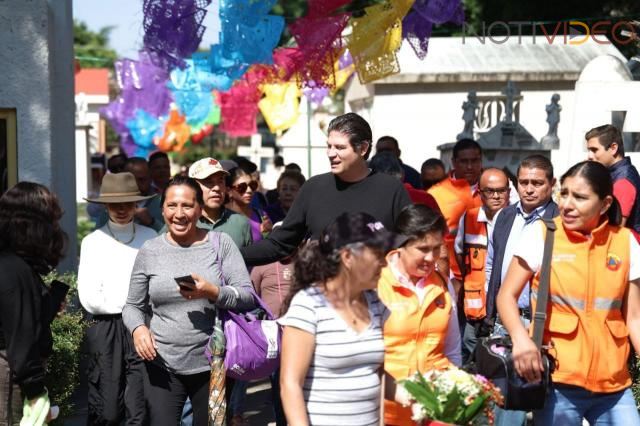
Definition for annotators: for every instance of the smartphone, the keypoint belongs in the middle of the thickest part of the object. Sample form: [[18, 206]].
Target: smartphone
[[186, 283]]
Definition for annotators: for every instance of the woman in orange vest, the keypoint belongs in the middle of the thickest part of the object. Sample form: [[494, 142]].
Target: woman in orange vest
[[421, 328], [593, 309]]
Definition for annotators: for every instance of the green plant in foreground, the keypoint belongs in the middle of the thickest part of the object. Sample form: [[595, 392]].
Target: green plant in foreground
[[63, 366]]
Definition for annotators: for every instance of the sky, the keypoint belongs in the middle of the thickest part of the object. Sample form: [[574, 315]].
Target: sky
[[126, 18]]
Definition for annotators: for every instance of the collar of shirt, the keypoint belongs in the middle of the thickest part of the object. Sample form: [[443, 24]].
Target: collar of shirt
[[535, 214], [418, 288], [474, 188], [223, 218]]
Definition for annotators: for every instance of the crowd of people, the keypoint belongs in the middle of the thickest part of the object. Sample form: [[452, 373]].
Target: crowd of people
[[374, 271]]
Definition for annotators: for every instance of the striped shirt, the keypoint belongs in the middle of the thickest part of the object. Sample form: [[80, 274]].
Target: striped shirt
[[342, 385]]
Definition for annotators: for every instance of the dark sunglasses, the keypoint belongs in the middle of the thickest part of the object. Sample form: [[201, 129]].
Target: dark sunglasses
[[242, 187]]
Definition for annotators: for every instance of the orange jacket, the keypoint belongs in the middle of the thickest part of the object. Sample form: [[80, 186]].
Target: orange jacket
[[475, 256], [454, 198], [585, 324], [414, 334]]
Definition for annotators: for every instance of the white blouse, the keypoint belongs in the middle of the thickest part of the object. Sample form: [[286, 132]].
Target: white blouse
[[105, 266]]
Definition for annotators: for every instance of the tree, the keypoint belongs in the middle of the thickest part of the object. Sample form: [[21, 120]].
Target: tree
[[92, 48]]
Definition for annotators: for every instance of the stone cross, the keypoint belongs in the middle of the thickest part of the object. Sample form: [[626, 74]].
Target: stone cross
[[255, 152], [511, 92]]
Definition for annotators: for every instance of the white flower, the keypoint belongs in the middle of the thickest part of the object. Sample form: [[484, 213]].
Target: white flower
[[403, 396], [417, 412]]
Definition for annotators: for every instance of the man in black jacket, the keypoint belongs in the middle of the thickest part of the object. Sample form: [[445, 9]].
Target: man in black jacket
[[535, 184], [349, 187]]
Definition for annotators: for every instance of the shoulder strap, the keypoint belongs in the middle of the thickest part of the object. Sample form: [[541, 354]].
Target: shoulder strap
[[216, 253], [540, 316]]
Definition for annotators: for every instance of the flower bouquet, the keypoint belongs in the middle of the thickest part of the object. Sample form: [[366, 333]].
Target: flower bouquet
[[451, 396]]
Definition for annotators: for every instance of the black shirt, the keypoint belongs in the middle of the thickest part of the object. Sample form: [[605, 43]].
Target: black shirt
[[25, 314], [320, 200]]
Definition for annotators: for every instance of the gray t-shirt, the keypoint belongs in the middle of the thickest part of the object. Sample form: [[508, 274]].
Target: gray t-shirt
[[181, 327]]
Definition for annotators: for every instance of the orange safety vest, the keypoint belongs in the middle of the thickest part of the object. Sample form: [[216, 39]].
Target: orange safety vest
[[414, 333], [454, 198], [475, 256], [585, 324]]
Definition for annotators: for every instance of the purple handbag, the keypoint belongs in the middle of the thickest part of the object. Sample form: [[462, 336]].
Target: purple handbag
[[253, 338]]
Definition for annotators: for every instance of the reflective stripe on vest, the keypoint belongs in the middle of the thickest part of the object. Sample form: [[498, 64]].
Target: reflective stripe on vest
[[475, 255], [599, 303]]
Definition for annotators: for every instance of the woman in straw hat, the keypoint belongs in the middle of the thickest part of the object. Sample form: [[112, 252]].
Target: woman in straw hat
[[106, 260]]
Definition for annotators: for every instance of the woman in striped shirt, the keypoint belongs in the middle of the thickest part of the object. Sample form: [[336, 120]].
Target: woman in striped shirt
[[332, 347]]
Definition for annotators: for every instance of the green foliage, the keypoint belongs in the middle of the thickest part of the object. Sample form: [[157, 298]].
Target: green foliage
[[92, 48], [85, 226], [63, 375]]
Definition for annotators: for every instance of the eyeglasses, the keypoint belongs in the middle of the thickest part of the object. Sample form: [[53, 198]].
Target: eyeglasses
[[242, 187], [488, 192]]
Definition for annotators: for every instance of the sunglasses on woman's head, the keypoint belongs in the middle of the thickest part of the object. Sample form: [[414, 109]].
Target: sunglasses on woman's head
[[242, 187]]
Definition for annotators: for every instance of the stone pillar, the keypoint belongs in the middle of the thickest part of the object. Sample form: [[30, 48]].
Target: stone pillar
[[37, 81]]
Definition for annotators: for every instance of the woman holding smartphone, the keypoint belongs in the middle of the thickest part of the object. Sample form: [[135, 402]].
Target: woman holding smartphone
[[182, 319]]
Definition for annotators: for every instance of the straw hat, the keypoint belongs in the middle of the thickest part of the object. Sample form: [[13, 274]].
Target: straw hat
[[119, 188]]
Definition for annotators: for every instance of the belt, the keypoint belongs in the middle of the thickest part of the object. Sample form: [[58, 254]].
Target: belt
[[106, 317]]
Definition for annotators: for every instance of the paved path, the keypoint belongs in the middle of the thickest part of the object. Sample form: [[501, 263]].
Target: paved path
[[258, 405]]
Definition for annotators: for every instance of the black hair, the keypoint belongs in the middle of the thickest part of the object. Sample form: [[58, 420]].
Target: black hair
[[389, 139], [156, 155], [293, 166], [355, 128], [29, 225], [537, 161], [246, 165], [311, 267], [417, 220], [433, 163], [116, 168], [463, 145], [180, 180], [599, 179], [235, 173], [132, 161], [387, 163], [607, 135], [292, 175], [278, 161]]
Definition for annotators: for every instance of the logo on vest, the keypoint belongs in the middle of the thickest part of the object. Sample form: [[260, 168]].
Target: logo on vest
[[613, 262], [564, 257]]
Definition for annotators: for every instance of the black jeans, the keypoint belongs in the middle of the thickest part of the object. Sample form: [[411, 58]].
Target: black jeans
[[115, 375], [167, 392]]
